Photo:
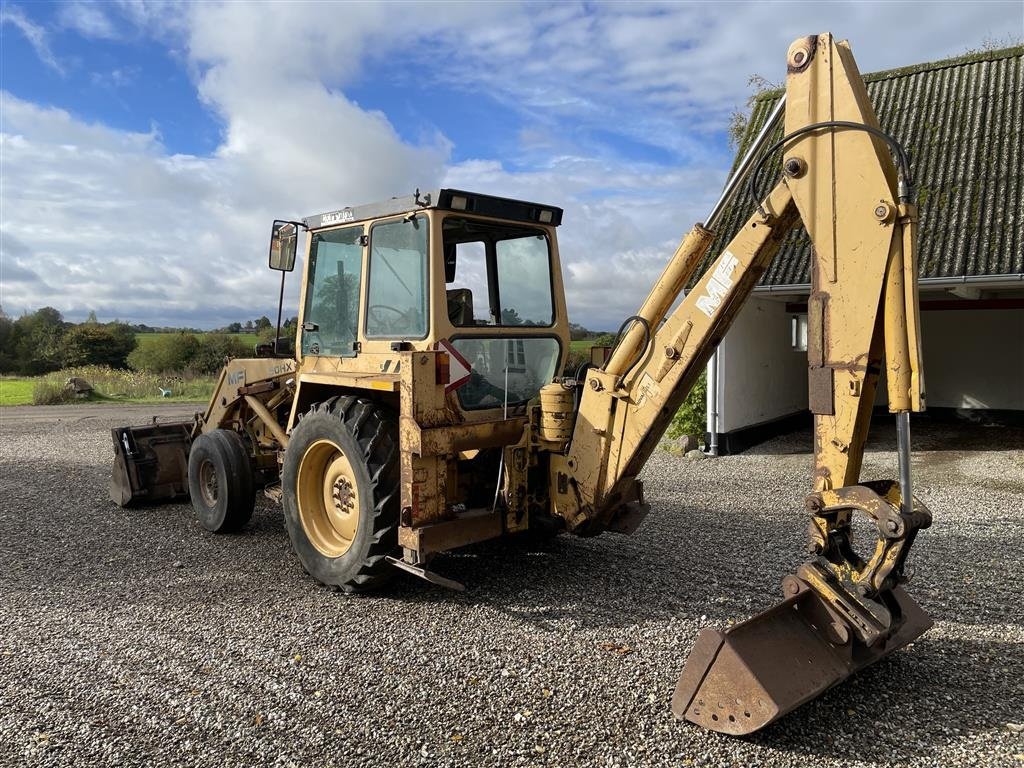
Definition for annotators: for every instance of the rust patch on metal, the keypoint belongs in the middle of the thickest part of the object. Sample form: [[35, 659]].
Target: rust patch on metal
[[738, 681], [801, 54]]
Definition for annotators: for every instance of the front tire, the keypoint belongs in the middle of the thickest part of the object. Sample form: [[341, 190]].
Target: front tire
[[220, 481], [340, 483]]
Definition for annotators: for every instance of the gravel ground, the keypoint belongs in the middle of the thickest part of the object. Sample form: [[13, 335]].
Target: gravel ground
[[132, 637]]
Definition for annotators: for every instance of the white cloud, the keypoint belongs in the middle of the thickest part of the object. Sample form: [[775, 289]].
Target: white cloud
[[98, 218], [35, 34], [88, 19]]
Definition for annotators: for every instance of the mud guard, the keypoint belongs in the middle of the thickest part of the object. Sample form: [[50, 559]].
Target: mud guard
[[150, 463], [738, 681]]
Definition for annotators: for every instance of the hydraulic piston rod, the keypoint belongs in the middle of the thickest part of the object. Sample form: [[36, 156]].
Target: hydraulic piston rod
[[903, 454]]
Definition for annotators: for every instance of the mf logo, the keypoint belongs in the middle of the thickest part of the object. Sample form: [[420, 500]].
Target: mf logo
[[718, 284]]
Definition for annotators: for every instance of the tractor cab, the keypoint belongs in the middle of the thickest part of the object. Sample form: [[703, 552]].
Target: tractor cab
[[473, 275]]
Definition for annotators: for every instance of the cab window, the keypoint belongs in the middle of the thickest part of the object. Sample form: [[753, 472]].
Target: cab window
[[397, 295], [497, 274], [331, 314]]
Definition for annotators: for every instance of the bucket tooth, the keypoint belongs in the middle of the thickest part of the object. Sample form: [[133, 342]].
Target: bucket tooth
[[738, 681]]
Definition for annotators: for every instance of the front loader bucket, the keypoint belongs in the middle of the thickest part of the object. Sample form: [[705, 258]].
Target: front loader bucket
[[150, 463], [738, 681]]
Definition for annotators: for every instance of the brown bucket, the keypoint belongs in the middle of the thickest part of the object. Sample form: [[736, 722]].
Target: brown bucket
[[150, 463], [738, 681]]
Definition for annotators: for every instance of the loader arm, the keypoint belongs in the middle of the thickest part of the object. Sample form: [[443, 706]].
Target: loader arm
[[839, 179]]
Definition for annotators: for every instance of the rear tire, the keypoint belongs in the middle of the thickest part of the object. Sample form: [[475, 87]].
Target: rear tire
[[220, 481], [340, 493]]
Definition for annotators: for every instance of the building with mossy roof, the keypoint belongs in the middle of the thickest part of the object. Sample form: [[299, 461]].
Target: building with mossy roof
[[961, 121]]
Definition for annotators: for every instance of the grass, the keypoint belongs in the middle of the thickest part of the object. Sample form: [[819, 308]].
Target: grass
[[15, 391], [110, 385]]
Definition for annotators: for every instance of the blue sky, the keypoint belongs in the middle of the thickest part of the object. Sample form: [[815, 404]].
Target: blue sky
[[147, 146]]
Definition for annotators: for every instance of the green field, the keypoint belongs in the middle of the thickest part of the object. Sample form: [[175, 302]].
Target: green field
[[581, 347], [16, 391], [248, 339], [110, 386]]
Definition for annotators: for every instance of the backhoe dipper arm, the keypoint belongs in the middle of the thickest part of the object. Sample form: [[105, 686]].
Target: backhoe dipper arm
[[840, 181]]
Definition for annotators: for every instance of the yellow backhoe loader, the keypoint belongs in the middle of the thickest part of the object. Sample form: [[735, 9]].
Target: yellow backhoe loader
[[425, 406]]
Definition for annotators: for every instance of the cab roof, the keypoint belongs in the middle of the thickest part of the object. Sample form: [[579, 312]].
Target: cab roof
[[446, 200]]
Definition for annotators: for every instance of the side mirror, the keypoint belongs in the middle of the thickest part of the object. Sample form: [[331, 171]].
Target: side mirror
[[284, 238]]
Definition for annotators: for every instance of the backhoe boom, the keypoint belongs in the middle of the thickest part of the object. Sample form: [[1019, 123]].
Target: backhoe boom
[[840, 182]]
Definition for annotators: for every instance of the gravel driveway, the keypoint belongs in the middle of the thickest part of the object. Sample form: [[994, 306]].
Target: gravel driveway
[[132, 637]]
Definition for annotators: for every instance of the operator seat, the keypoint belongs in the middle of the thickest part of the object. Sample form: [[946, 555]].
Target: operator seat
[[460, 306]]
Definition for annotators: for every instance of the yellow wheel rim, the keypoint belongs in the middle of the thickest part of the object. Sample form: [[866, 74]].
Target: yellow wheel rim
[[328, 498]]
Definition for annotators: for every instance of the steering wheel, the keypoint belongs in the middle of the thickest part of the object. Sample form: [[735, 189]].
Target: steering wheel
[[371, 311]]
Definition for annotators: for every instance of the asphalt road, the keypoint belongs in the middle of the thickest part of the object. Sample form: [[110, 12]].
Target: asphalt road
[[132, 637]]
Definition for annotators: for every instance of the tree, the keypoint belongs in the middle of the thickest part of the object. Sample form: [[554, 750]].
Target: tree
[[235, 328], [37, 348], [263, 324], [509, 316], [94, 344], [91, 319], [738, 120], [8, 339], [336, 307]]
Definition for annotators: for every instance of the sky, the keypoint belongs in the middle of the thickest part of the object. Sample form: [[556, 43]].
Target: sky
[[145, 148]]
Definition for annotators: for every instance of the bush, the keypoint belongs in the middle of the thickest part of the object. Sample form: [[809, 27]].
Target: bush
[[167, 352], [214, 349], [50, 391], [691, 418], [186, 352]]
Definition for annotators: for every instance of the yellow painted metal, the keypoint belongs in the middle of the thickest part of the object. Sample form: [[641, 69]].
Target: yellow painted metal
[[328, 498], [847, 201], [619, 423], [556, 412], [912, 308], [678, 271], [235, 376], [268, 420]]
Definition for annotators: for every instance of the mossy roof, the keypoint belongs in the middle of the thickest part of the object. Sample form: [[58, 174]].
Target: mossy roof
[[960, 119]]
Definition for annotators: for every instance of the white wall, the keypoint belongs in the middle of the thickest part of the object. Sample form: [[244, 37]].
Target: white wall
[[761, 377], [973, 358]]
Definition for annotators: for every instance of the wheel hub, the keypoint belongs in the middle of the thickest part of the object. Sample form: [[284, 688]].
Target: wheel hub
[[344, 498], [328, 499], [208, 482]]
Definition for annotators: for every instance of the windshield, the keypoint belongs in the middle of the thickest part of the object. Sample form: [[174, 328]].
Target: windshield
[[497, 274]]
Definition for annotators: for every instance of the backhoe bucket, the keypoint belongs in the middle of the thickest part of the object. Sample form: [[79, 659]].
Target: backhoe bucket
[[150, 463], [738, 681]]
